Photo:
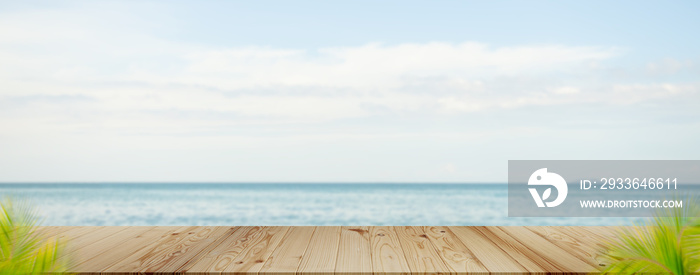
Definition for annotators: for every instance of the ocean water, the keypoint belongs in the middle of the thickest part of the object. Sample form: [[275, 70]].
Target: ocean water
[[279, 204]]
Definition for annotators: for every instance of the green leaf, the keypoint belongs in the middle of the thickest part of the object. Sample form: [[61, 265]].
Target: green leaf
[[23, 250], [669, 243]]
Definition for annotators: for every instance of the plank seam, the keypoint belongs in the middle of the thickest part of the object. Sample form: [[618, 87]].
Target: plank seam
[[370, 248], [103, 252], [526, 247], [560, 245], [155, 243], [401, 245], [208, 248], [304, 253], [437, 252], [501, 249], [457, 239], [337, 252]]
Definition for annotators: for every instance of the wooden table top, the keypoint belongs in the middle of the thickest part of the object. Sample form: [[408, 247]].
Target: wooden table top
[[333, 249]]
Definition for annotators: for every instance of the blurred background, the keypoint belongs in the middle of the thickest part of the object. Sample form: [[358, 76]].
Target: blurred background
[[335, 92], [356, 91]]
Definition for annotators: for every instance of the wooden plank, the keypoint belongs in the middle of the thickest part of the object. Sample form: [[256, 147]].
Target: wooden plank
[[576, 242], [354, 251], [47, 231], [129, 257], [453, 252], [204, 247], [70, 232], [52, 231], [222, 253], [489, 253], [169, 257], [321, 255], [602, 236], [262, 245], [604, 233], [80, 240], [422, 257], [95, 248], [126, 248], [288, 255], [386, 253], [548, 253], [522, 254]]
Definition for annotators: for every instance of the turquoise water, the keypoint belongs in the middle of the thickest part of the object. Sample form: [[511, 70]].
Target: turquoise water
[[279, 204]]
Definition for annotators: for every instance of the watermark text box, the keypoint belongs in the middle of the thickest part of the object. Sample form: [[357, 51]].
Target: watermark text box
[[600, 188]]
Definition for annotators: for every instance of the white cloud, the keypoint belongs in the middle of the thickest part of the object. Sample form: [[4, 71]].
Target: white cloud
[[632, 93], [58, 70], [263, 85], [91, 91], [372, 66], [566, 90], [668, 66]]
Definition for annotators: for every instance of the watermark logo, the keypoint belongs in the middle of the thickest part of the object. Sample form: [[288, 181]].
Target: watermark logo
[[601, 188], [542, 177]]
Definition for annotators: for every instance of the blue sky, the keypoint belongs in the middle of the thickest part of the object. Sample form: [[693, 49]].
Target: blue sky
[[280, 91]]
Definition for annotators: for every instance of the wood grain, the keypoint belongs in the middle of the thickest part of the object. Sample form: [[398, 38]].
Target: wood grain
[[262, 244], [602, 233], [125, 248], [547, 251], [386, 252], [334, 250], [489, 253], [526, 257], [576, 242], [454, 253], [354, 251], [156, 250], [169, 257], [69, 233], [321, 254], [86, 247], [288, 255], [53, 231], [422, 257], [222, 253]]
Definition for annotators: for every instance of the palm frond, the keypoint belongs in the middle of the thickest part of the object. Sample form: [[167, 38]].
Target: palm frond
[[669, 243], [23, 250]]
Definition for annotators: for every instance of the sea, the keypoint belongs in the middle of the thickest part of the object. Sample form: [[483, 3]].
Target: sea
[[146, 204]]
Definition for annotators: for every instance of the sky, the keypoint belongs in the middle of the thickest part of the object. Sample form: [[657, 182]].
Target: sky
[[340, 91]]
